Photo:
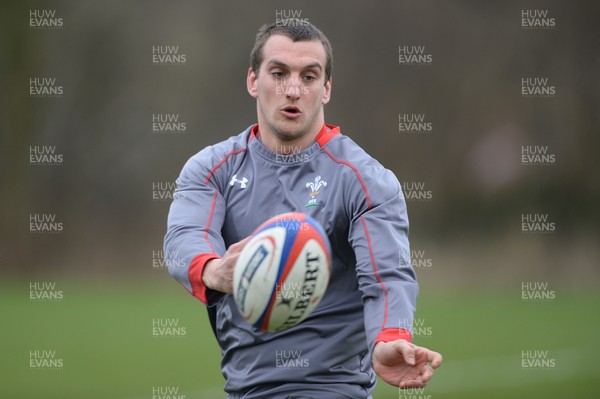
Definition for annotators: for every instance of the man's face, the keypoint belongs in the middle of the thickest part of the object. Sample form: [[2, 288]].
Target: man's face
[[290, 87]]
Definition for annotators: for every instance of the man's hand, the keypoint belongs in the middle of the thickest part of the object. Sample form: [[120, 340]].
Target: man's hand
[[403, 364], [218, 273]]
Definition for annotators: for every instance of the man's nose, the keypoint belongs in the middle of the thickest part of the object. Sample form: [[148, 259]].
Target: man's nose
[[292, 88]]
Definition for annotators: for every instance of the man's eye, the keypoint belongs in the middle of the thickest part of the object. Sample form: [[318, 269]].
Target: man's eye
[[310, 78], [278, 75]]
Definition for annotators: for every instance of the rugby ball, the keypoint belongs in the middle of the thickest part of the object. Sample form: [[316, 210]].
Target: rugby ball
[[282, 272]]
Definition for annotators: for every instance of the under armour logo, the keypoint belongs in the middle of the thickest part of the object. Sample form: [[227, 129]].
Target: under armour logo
[[242, 182]]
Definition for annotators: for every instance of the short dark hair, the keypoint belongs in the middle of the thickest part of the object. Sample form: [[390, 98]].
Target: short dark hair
[[295, 29]]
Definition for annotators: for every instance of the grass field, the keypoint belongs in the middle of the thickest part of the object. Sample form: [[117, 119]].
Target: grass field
[[103, 334]]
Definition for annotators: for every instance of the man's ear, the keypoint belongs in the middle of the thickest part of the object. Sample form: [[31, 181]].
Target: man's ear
[[251, 83], [327, 91]]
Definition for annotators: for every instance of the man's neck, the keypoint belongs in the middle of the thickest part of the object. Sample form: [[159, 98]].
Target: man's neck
[[286, 147]]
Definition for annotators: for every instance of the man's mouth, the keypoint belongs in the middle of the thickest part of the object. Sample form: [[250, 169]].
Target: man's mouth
[[291, 111]]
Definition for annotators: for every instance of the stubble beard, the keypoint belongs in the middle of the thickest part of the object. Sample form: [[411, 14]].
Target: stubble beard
[[289, 134]]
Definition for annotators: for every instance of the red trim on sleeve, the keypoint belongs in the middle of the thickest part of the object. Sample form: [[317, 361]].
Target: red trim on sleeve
[[197, 265], [356, 172], [364, 223], [221, 162], [195, 275], [377, 276], [393, 334], [210, 215]]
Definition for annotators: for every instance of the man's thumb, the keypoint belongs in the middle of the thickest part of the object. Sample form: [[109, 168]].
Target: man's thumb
[[409, 354]]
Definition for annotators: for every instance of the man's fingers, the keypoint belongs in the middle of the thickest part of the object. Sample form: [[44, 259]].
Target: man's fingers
[[429, 356], [426, 374], [245, 240], [407, 350], [238, 246], [435, 359]]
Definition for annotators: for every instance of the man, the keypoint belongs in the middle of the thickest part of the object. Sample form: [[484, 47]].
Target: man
[[362, 325]]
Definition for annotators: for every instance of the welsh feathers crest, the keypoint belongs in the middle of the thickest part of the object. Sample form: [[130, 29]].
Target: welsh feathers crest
[[314, 190]]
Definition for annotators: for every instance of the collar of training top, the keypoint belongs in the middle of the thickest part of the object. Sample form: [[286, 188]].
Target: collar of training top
[[326, 133]]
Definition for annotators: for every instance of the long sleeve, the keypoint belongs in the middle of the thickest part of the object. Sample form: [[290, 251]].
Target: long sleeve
[[379, 237], [194, 227]]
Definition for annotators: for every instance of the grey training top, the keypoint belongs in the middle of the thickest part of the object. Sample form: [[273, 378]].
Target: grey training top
[[227, 190]]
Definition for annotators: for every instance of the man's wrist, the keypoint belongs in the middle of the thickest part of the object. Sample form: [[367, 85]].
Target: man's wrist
[[208, 273]]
